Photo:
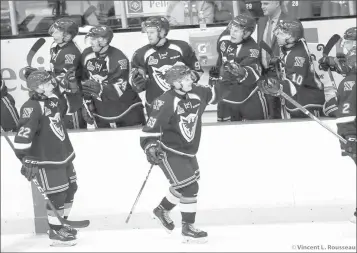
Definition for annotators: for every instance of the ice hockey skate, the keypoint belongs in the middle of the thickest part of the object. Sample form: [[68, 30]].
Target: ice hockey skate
[[61, 238], [163, 217], [193, 235], [70, 230]]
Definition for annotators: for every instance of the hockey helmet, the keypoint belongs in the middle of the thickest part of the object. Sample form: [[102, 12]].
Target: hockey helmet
[[177, 73], [65, 25], [289, 28], [351, 59], [349, 40], [350, 34], [160, 23], [38, 78], [101, 31], [245, 21]]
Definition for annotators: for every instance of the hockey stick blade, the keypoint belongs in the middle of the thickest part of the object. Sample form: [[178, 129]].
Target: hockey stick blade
[[38, 44], [76, 224], [265, 46], [330, 44]]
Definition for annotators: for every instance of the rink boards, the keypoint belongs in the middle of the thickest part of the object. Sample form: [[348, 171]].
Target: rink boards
[[251, 173]]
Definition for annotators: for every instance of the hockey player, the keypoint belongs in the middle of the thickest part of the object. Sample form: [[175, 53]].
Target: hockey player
[[302, 82], [9, 117], [43, 146], [150, 62], [245, 102], [105, 82], [343, 106], [176, 116], [66, 55]]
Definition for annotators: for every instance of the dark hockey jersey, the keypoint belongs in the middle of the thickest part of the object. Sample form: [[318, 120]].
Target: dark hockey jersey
[[65, 57], [42, 133], [246, 55], [156, 60], [179, 118], [343, 106], [9, 118], [111, 69]]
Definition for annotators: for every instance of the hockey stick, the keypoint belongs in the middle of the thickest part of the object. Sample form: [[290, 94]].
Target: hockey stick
[[34, 49], [74, 224], [326, 51], [137, 198], [304, 110], [142, 187]]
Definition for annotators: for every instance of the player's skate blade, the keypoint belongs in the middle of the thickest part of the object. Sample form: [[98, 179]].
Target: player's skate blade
[[162, 217], [61, 238], [190, 234]]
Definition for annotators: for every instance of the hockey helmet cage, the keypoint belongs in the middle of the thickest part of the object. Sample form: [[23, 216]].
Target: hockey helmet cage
[[101, 31], [64, 25], [245, 21], [176, 73], [156, 22], [350, 34], [292, 27], [39, 77]]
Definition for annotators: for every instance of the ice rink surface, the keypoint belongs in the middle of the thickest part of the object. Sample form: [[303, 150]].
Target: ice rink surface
[[285, 237]]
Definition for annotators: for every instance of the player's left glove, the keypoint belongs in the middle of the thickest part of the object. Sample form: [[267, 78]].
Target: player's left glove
[[92, 89], [69, 82], [349, 149], [195, 76], [236, 71], [270, 86], [29, 167], [154, 154], [213, 76]]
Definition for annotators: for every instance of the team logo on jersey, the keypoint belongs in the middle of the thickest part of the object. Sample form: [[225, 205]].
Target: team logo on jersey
[[56, 126], [53, 104], [223, 46], [188, 126], [123, 64], [299, 61], [348, 86], [163, 56], [152, 60], [157, 104], [254, 53], [69, 58], [158, 74], [26, 112]]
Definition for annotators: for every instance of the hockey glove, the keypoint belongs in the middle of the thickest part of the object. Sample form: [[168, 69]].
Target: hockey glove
[[69, 82], [213, 76], [270, 86], [236, 71], [350, 147], [92, 89], [154, 154], [328, 62], [273, 63], [195, 76], [138, 80], [29, 167]]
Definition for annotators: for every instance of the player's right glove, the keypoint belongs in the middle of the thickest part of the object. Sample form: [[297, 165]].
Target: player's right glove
[[236, 72], [29, 167], [92, 89], [154, 154], [270, 86], [69, 82], [213, 76], [350, 147], [138, 79], [328, 62]]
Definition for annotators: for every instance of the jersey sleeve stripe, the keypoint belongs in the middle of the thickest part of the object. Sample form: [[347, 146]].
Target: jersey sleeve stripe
[[22, 146], [213, 99], [345, 119], [11, 109]]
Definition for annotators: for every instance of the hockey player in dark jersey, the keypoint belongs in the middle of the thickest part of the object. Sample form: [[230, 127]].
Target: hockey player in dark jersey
[[43, 146], [150, 62], [9, 118], [343, 106], [66, 55], [245, 102], [302, 82], [171, 140], [105, 82]]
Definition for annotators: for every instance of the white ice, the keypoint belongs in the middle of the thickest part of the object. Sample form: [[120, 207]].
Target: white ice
[[285, 237]]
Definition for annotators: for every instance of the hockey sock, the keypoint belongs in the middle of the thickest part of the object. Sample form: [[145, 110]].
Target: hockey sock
[[171, 200], [57, 200], [188, 207], [69, 199]]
